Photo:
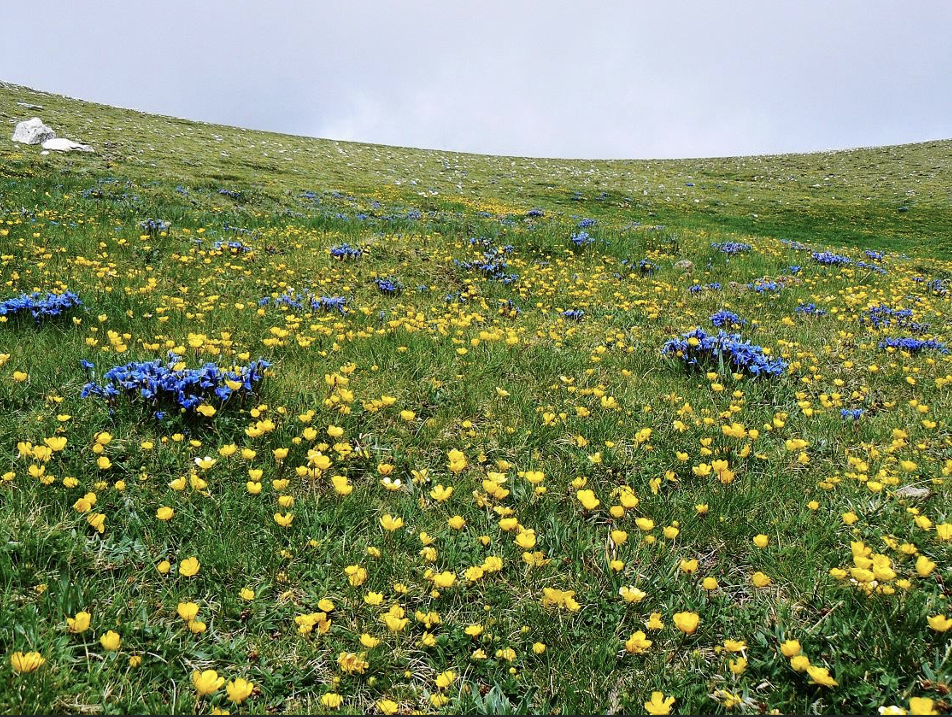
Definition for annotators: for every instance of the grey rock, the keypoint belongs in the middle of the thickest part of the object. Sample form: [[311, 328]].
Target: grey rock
[[32, 131], [684, 265], [61, 144]]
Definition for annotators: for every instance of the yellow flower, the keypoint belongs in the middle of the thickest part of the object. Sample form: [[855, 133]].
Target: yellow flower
[[799, 663], [654, 622], [164, 513], [538, 647], [940, 623], [686, 622], [387, 707], [445, 579], [284, 519], [632, 594], [688, 566], [332, 700], [441, 494], [791, 648], [80, 623], [135, 661], [921, 706], [207, 682], [247, 594], [924, 566], [445, 679], [637, 643], [821, 676], [187, 610], [389, 523], [709, 583], [110, 641], [189, 567], [761, 540], [659, 704], [368, 641], [23, 662], [760, 579], [587, 499], [457, 522]]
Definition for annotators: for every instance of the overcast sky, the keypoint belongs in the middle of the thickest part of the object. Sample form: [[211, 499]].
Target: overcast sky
[[545, 78]]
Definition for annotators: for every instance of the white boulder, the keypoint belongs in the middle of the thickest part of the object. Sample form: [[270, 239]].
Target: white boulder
[[61, 144], [32, 131]]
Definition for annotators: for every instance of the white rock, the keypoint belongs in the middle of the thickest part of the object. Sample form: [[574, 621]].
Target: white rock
[[911, 491], [61, 144], [32, 131]]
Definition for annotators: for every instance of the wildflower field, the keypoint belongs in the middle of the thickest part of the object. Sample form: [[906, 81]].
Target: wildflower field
[[294, 425]]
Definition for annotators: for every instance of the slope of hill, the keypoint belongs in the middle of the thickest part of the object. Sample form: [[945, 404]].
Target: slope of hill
[[296, 425]]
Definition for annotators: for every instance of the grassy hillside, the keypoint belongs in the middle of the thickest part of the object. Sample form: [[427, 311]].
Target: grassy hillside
[[483, 469]]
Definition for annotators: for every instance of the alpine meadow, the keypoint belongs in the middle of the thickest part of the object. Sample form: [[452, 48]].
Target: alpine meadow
[[291, 425]]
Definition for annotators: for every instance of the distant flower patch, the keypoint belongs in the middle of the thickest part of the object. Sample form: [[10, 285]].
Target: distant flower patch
[[346, 251], [307, 301], [169, 385], [573, 315], [388, 285], [532, 213], [809, 310], [586, 223], [154, 227], [765, 286], [882, 316], [913, 345], [731, 247], [700, 351], [828, 258], [582, 238], [726, 318], [40, 306]]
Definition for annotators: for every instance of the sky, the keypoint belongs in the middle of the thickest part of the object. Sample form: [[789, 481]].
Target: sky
[[544, 78]]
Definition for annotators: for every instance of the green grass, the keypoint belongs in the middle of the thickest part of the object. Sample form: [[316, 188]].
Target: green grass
[[514, 392]]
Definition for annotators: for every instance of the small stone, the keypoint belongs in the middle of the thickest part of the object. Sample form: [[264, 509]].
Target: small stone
[[911, 491], [684, 265]]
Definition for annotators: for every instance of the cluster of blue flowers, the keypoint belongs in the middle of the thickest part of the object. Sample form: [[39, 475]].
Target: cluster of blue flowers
[[494, 264], [231, 193], [701, 351], [165, 387], [937, 287], [794, 269], [881, 316], [234, 246], [154, 226], [913, 345], [41, 306], [731, 247], [346, 251], [723, 317], [851, 414], [763, 285], [828, 258], [308, 301], [582, 238], [871, 267], [573, 314], [586, 223], [535, 213], [697, 288], [388, 285], [810, 310], [874, 255]]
